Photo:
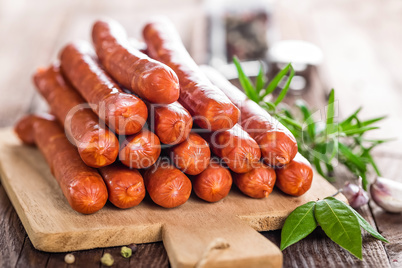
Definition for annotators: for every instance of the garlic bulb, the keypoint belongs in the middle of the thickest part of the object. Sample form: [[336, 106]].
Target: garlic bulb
[[355, 194], [387, 194]]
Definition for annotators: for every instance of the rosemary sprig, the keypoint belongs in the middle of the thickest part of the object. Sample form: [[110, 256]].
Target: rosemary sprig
[[325, 143]]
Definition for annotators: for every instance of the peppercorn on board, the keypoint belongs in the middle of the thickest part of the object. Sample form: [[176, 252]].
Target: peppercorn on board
[[187, 231]]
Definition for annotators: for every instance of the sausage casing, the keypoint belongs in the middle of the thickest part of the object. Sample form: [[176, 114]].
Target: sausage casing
[[214, 183], [97, 145], [258, 182], [167, 186], [192, 155], [149, 79], [24, 127], [124, 113], [277, 143], [172, 123], [81, 185], [296, 177], [236, 148], [210, 108], [140, 150], [125, 186]]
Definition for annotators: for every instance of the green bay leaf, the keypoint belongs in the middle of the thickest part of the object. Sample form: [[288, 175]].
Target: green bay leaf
[[298, 225], [367, 226], [340, 224]]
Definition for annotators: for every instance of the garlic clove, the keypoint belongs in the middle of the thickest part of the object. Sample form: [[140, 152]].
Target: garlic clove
[[387, 194], [355, 194]]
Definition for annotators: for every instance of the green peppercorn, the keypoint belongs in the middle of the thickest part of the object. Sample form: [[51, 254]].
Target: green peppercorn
[[107, 259], [126, 252]]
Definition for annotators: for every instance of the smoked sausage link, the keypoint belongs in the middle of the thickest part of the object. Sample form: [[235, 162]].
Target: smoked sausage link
[[277, 143], [214, 183], [24, 127], [149, 79], [172, 123], [192, 155], [124, 113], [296, 177], [97, 145], [236, 148], [81, 185], [258, 182], [125, 186], [167, 186], [140, 150], [210, 108]]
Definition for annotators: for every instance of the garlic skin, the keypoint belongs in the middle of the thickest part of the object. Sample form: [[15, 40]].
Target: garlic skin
[[355, 194], [387, 194]]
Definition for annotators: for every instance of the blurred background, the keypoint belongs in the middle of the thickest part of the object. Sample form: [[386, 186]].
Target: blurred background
[[353, 46]]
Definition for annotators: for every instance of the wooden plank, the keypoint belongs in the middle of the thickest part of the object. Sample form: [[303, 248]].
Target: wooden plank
[[156, 256], [12, 233], [389, 224], [30, 257], [85, 258]]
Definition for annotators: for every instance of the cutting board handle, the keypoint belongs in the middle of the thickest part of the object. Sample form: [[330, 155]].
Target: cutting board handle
[[217, 241]]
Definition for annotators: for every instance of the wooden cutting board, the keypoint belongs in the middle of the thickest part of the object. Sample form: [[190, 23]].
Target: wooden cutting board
[[222, 234]]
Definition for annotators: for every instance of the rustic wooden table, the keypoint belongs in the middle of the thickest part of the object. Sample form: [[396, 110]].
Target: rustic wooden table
[[361, 43]]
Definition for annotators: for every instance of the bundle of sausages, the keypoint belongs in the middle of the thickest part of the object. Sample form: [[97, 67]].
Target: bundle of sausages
[[124, 123]]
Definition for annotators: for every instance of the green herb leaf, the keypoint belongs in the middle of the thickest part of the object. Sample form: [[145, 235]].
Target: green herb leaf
[[367, 226], [331, 108], [300, 223], [349, 120], [260, 80], [270, 107], [308, 118], [340, 224], [370, 159], [276, 80], [372, 121], [358, 131], [350, 156], [285, 89], [291, 122], [246, 82], [318, 167]]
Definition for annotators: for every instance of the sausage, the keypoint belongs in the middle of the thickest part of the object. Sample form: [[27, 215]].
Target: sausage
[[210, 108], [296, 177], [82, 186], [125, 186], [123, 113], [236, 148], [97, 145], [277, 143], [140, 150], [214, 183], [149, 79], [172, 123], [258, 182], [24, 127], [192, 155], [166, 185]]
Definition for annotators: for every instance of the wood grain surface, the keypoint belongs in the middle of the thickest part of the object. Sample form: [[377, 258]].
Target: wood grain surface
[[361, 43]]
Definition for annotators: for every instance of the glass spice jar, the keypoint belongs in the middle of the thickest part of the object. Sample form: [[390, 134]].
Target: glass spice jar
[[238, 28]]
